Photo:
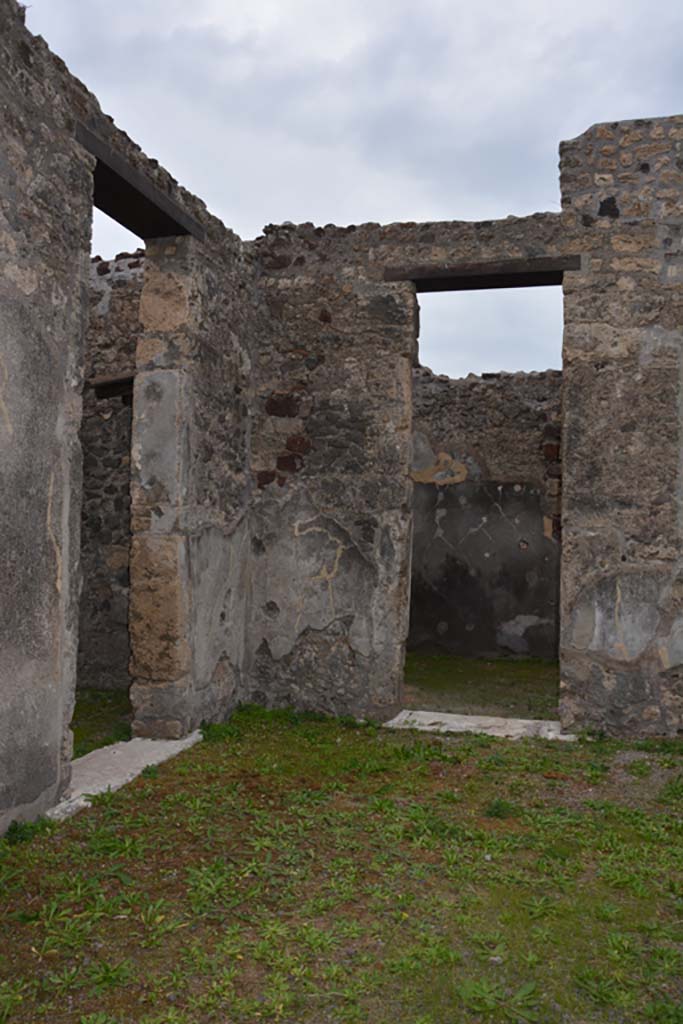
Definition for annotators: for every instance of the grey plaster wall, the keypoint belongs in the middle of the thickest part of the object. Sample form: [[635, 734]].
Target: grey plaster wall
[[331, 512], [190, 486], [486, 524], [45, 214], [106, 439]]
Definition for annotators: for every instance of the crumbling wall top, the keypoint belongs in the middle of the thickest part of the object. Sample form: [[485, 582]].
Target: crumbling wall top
[[34, 67]]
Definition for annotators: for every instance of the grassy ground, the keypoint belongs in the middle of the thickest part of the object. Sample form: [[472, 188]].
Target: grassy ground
[[513, 688], [297, 870], [100, 717]]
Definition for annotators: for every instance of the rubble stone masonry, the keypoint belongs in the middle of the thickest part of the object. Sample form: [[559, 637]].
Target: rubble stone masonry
[[106, 439], [622, 582], [271, 440]]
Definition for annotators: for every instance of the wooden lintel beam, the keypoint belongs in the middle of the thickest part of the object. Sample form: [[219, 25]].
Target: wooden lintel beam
[[533, 272], [132, 199]]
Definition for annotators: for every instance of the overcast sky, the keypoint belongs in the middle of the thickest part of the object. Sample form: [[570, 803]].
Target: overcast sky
[[376, 110]]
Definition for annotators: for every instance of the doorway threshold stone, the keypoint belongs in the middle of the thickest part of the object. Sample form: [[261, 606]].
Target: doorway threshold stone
[[110, 768], [507, 728]]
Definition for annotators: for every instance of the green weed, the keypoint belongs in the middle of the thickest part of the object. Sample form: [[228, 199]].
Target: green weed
[[500, 808], [25, 831]]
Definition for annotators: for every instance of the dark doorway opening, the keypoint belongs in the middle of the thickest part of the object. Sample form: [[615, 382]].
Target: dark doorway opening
[[103, 713], [129, 203], [484, 615]]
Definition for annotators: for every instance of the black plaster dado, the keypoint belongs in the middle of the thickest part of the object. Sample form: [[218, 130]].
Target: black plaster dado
[[487, 472], [485, 577]]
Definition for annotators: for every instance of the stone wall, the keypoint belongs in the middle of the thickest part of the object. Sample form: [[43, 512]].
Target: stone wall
[[46, 189], [621, 647], [180, 320], [106, 438], [190, 486], [331, 452], [243, 445], [45, 215], [330, 468], [486, 522], [622, 581]]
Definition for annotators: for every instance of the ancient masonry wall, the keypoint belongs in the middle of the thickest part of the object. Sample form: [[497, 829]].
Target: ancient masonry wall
[[45, 213], [331, 451], [106, 438], [221, 624], [330, 456], [486, 514], [46, 188], [622, 578], [190, 487], [621, 646]]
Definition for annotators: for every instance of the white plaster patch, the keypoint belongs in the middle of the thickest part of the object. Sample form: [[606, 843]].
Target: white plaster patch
[[512, 633], [112, 767]]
